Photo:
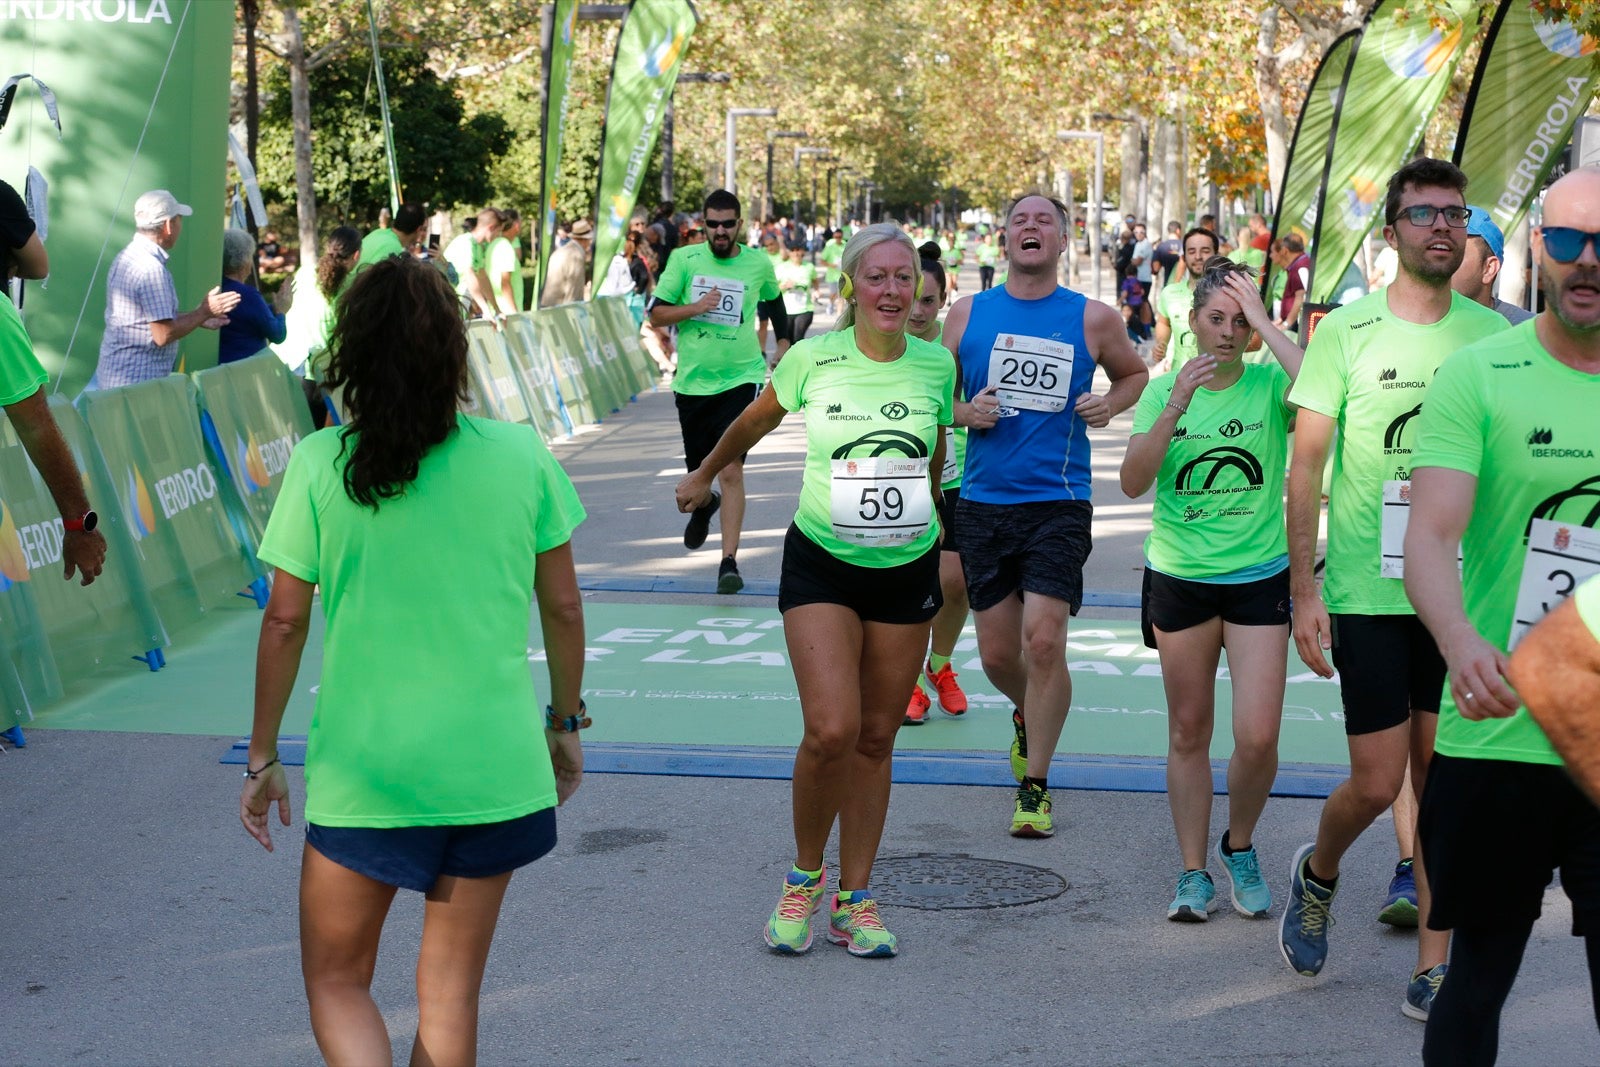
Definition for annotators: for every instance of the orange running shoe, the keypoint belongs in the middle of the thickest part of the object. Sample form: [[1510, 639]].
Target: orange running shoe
[[917, 710], [952, 701]]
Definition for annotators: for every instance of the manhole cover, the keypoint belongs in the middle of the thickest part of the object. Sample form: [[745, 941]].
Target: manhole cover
[[938, 881]]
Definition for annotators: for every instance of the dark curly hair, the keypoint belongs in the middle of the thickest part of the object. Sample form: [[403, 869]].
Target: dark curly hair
[[334, 265], [399, 351]]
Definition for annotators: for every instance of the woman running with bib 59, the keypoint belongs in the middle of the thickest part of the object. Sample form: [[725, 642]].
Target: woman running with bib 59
[[1212, 437], [860, 581]]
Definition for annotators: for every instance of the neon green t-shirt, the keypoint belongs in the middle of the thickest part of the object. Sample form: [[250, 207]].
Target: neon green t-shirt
[[501, 258], [954, 255], [955, 437], [21, 373], [987, 254], [1254, 258], [378, 246], [426, 714], [1219, 492], [799, 278], [1369, 369], [831, 255], [1174, 302], [1524, 424], [718, 350], [870, 432]]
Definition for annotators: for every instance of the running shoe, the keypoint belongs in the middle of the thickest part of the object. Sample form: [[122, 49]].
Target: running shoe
[[789, 929], [694, 534], [1195, 900], [1019, 747], [1421, 991], [1303, 930], [728, 580], [952, 701], [917, 710], [1251, 897], [1400, 908], [855, 925], [1032, 815]]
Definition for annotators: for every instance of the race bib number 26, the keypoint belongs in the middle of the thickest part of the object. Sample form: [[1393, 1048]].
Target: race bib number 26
[[730, 301], [1561, 556], [1031, 373]]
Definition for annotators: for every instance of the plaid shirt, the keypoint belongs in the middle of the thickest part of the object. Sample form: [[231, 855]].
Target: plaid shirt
[[139, 291]]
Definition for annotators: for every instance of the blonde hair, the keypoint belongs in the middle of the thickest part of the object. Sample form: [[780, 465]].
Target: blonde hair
[[857, 247]]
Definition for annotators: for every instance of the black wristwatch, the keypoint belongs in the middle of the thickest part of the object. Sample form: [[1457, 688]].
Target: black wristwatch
[[85, 524]]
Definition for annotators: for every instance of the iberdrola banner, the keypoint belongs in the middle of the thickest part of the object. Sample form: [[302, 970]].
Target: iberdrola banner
[[650, 50], [141, 87], [1303, 173], [557, 70], [1534, 80], [1408, 52]]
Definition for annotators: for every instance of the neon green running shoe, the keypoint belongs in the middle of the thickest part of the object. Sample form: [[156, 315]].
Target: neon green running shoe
[[789, 930], [1032, 815], [1019, 747], [858, 928]]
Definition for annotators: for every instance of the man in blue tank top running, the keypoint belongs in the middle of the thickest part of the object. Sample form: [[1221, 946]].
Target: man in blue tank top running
[[1027, 351]]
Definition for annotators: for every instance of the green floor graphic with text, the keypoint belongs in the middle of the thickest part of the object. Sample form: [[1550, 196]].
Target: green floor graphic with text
[[691, 675]]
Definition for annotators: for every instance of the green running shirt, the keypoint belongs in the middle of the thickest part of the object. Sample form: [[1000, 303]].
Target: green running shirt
[[718, 350]]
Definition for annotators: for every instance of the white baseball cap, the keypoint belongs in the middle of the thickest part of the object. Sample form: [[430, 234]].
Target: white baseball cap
[[156, 207]]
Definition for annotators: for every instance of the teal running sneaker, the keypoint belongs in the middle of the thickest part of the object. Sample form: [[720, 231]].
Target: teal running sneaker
[[1031, 816], [1421, 991], [1251, 897], [1195, 900], [1303, 930], [1400, 906], [1019, 747], [855, 925], [788, 931]]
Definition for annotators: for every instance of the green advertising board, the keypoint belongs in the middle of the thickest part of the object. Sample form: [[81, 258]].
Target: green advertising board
[[257, 414], [615, 322], [602, 359], [486, 349], [537, 376], [142, 87], [558, 333], [172, 503]]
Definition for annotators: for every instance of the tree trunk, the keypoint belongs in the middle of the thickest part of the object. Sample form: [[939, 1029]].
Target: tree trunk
[[300, 104], [1269, 87], [1155, 208], [1174, 209], [1128, 201]]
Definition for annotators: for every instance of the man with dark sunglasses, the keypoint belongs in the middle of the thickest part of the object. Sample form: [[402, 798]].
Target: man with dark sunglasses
[[711, 291], [1365, 373], [1507, 469]]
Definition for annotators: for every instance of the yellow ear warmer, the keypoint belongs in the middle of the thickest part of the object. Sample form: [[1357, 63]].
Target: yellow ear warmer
[[915, 296], [846, 290]]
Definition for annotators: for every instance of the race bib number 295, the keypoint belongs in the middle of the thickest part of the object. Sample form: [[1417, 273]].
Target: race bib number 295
[[1031, 373]]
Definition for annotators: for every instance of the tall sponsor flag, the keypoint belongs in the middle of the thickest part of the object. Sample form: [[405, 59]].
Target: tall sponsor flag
[[143, 92], [1307, 165], [1408, 52], [650, 50], [557, 66], [1535, 78]]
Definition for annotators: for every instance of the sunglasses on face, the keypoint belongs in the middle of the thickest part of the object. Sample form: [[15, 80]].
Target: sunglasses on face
[[1565, 245], [1424, 214], [721, 224]]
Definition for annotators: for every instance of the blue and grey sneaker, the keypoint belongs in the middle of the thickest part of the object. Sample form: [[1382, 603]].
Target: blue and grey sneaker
[[1251, 897], [1196, 898], [1420, 993], [1400, 907], [1303, 930]]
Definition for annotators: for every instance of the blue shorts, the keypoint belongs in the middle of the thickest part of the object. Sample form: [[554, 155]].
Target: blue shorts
[[414, 857]]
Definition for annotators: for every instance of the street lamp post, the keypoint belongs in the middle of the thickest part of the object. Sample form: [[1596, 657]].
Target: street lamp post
[[868, 187], [1098, 192], [767, 201], [734, 115], [700, 76], [817, 153]]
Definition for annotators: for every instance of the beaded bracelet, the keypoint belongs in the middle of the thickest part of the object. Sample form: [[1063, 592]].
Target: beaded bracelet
[[257, 772]]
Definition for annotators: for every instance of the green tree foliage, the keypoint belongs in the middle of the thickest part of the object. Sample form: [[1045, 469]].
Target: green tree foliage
[[444, 155]]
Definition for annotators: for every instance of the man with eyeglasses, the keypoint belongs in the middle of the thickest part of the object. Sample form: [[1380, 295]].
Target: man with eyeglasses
[[711, 292], [1366, 371], [1506, 469]]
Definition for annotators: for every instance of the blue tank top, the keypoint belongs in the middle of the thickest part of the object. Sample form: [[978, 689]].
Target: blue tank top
[[1029, 455]]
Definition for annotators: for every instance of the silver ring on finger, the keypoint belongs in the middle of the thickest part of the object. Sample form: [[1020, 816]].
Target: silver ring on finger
[[1468, 696]]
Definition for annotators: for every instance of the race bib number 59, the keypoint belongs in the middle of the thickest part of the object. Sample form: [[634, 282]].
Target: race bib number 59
[[883, 500], [1560, 557], [1031, 373]]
